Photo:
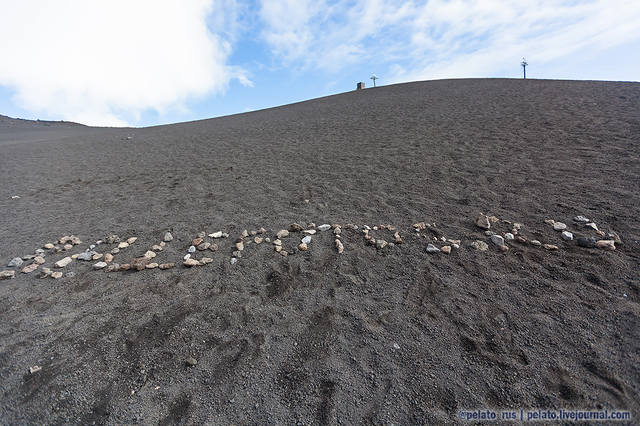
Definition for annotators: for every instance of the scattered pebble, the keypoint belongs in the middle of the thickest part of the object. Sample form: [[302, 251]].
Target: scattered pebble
[[324, 227], [310, 231], [49, 246], [150, 254], [203, 246], [166, 265], [191, 361], [550, 246], [397, 237], [86, 256], [536, 243], [131, 240], [479, 245], [282, 234], [307, 239], [7, 275], [152, 265], [206, 260], [56, 275], [197, 241], [508, 236], [191, 262], [432, 249], [116, 250], [99, 265], [156, 247], [63, 262], [566, 235], [167, 237], [29, 268], [606, 244], [233, 260], [559, 226], [303, 247], [445, 249], [15, 262], [114, 267], [191, 249], [139, 263], [339, 246], [217, 234], [112, 239], [482, 221], [580, 219], [258, 240], [592, 226], [34, 369], [497, 240], [39, 260], [239, 245], [588, 242], [294, 227], [381, 244], [123, 245]]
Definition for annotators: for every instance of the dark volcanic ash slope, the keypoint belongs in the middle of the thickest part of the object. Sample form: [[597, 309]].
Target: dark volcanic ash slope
[[397, 335]]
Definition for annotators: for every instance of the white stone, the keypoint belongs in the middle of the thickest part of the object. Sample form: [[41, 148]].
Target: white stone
[[497, 240], [432, 249], [567, 236], [307, 239], [324, 227], [559, 226], [99, 265], [63, 262]]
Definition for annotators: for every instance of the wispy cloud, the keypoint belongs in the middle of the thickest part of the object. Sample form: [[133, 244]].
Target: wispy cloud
[[107, 62], [442, 38]]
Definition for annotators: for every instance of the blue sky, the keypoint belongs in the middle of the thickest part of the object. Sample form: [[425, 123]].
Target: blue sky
[[147, 62]]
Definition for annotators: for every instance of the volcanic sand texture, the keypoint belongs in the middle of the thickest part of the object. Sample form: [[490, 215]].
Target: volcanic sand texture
[[310, 337]]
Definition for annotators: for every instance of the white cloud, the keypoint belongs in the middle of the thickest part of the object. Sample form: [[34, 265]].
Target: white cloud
[[106, 62], [417, 40]]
